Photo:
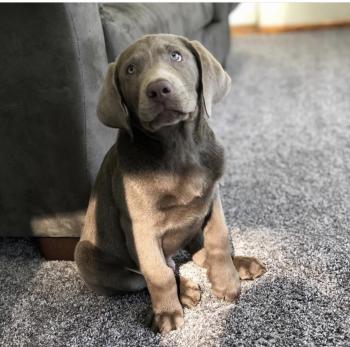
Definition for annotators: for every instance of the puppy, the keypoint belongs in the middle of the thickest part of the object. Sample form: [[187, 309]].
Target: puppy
[[157, 190]]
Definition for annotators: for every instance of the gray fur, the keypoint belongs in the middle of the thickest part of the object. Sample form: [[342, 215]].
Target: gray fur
[[157, 189]]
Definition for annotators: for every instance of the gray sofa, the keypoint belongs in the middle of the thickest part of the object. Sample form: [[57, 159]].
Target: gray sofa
[[53, 59]]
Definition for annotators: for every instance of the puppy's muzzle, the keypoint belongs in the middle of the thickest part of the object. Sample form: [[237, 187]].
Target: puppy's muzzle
[[163, 98]]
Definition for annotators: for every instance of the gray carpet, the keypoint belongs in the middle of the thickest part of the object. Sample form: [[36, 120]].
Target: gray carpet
[[286, 128]]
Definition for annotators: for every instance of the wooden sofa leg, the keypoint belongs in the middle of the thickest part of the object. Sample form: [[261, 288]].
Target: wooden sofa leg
[[57, 248]]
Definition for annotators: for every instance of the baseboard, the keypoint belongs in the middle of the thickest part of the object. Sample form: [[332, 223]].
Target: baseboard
[[254, 29]]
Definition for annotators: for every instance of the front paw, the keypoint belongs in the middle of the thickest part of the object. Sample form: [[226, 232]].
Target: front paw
[[225, 283], [249, 268], [164, 322], [189, 292]]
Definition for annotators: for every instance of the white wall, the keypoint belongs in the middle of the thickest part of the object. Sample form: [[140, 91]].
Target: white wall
[[245, 14], [285, 14]]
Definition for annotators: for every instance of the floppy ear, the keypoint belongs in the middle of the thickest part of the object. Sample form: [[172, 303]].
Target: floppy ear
[[216, 83], [111, 110]]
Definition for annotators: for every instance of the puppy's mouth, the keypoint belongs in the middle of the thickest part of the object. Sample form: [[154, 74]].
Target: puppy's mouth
[[166, 118]]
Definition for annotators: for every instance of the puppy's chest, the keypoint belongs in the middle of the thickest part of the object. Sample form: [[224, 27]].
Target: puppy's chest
[[165, 197], [180, 190], [165, 200], [162, 190]]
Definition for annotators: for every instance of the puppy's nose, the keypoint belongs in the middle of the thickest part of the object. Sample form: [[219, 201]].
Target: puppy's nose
[[159, 90]]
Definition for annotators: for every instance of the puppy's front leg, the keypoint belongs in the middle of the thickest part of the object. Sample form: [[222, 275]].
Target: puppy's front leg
[[161, 283], [222, 273]]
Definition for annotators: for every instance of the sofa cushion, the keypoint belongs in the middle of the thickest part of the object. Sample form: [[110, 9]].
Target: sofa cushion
[[124, 23], [221, 10]]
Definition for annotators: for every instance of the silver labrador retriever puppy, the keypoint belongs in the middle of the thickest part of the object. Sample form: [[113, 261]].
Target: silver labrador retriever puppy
[[157, 189]]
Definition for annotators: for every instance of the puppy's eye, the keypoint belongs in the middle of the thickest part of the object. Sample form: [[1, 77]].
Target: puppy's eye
[[131, 69], [176, 56]]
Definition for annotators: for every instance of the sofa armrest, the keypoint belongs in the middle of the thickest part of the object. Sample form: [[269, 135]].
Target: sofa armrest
[[92, 60]]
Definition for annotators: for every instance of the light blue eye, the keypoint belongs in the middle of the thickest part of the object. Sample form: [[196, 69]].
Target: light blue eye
[[131, 69], [176, 56]]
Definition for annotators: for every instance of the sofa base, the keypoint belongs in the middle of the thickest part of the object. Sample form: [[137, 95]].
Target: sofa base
[[57, 248]]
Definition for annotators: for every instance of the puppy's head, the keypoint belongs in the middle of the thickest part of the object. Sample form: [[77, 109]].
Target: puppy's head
[[161, 80]]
